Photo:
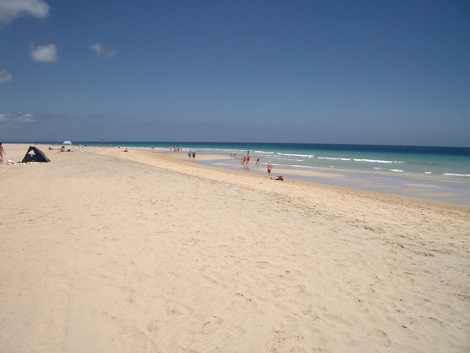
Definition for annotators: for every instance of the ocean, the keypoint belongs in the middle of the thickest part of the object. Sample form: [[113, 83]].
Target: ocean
[[392, 169]]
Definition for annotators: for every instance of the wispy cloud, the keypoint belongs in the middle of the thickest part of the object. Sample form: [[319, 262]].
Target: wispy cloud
[[5, 76], [11, 9], [26, 118], [44, 53], [103, 52], [18, 116]]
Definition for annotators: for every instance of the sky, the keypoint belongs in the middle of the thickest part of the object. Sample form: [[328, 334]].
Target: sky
[[354, 72]]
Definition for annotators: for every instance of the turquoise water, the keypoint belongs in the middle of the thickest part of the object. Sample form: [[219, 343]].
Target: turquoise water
[[444, 163], [449, 163], [366, 167]]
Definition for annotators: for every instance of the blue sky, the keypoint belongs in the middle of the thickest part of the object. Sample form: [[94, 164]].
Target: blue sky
[[361, 72]]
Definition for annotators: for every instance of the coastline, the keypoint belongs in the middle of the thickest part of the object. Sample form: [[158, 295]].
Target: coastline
[[433, 173], [213, 163], [386, 184], [140, 251], [416, 186]]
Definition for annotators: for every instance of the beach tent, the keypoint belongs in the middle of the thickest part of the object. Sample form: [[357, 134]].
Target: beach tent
[[34, 155], [67, 143]]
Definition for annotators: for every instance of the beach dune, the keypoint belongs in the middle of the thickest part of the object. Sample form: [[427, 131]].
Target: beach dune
[[105, 251]]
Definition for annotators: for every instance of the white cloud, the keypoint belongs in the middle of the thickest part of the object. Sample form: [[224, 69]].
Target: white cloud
[[44, 53], [26, 118], [97, 48], [5, 76], [102, 52], [17, 116], [10, 9]]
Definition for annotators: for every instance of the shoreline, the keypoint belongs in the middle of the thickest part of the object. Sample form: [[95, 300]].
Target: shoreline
[[420, 187], [409, 186], [180, 163]]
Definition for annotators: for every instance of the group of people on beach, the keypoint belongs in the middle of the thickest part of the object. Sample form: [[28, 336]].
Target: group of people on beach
[[245, 160], [62, 148], [191, 154]]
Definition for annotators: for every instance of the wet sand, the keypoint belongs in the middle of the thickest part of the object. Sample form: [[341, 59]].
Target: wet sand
[[390, 183]]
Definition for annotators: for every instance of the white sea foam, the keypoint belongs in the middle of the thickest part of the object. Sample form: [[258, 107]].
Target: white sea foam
[[298, 166], [295, 155], [396, 170], [335, 158], [360, 160], [458, 175], [376, 161]]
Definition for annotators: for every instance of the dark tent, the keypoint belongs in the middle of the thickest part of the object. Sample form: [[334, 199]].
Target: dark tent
[[34, 155]]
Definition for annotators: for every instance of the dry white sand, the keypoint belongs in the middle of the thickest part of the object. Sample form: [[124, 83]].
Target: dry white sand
[[105, 251]]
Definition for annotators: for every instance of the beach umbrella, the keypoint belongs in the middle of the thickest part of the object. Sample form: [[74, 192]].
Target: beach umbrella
[[67, 143]]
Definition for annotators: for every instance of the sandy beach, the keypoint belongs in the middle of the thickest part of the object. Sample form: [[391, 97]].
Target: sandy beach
[[106, 251]]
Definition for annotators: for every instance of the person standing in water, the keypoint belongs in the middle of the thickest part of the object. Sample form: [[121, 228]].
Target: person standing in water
[[270, 167]]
